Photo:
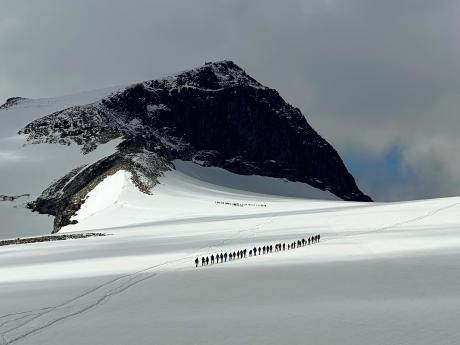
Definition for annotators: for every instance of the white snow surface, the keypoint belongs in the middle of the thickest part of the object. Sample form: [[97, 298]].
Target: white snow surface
[[31, 168], [382, 273]]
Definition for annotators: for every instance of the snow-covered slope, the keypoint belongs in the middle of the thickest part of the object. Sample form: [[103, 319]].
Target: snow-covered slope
[[382, 273], [188, 192], [215, 115], [30, 169]]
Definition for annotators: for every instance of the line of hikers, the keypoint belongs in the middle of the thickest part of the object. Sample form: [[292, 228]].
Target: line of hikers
[[242, 253]]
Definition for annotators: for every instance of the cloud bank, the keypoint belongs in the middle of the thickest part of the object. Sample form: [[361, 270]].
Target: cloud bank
[[378, 79]]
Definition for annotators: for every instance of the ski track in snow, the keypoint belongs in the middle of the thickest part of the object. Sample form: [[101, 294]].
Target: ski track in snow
[[183, 210], [16, 328]]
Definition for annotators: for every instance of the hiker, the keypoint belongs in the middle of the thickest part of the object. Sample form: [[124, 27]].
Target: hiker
[[221, 258], [203, 261], [212, 259], [309, 241], [244, 252], [225, 256], [196, 262], [284, 246], [319, 237], [207, 260], [254, 251], [271, 248], [259, 250], [263, 250], [250, 252], [217, 258]]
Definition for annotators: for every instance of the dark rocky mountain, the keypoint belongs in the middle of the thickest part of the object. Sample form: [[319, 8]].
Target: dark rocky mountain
[[214, 115]]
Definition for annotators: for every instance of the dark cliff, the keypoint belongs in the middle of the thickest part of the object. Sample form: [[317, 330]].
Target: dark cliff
[[214, 115]]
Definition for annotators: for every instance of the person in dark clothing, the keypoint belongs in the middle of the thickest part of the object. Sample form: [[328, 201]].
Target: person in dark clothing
[[221, 257], [319, 237], [259, 250], [203, 261], [244, 252], [217, 258], [250, 252], [289, 246], [254, 250], [234, 256], [309, 241], [263, 250], [212, 259], [284, 246], [271, 248], [196, 262], [207, 260], [225, 256]]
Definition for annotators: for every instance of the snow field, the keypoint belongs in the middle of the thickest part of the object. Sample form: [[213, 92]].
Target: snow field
[[382, 273]]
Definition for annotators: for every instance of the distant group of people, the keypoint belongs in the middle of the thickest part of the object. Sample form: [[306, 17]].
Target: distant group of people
[[243, 253]]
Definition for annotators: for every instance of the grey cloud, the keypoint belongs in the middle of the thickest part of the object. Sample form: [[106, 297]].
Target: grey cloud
[[369, 75]]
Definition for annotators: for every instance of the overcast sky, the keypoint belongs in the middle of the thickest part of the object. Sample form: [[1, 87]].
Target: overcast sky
[[380, 80]]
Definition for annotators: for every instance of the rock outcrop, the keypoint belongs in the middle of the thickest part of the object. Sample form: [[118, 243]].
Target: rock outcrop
[[214, 115]]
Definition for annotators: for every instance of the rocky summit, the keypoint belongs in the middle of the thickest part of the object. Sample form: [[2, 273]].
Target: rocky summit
[[214, 115]]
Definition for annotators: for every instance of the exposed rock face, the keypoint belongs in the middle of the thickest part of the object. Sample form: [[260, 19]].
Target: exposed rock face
[[12, 101], [12, 197], [214, 115], [65, 196]]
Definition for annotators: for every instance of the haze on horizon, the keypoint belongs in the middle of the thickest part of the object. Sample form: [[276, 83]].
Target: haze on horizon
[[379, 80]]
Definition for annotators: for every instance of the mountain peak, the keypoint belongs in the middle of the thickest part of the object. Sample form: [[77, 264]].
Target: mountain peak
[[213, 115], [211, 76]]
